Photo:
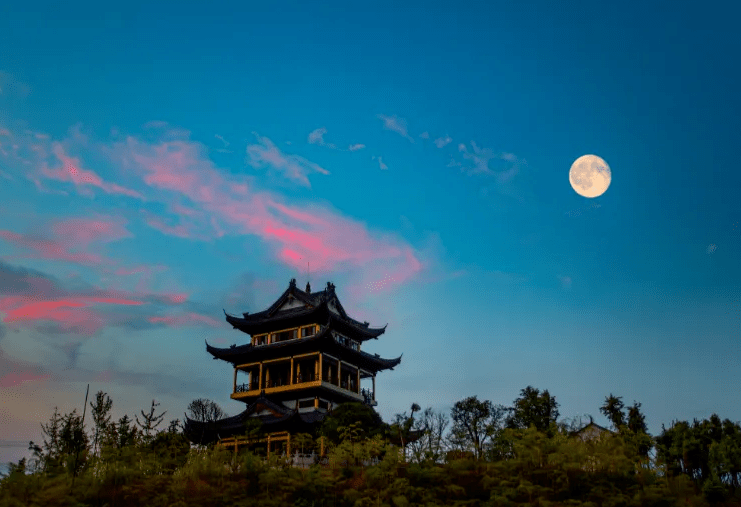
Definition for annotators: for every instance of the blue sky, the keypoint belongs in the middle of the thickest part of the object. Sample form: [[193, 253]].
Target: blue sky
[[160, 163]]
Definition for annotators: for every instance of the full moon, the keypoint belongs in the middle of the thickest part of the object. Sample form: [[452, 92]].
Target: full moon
[[590, 176]]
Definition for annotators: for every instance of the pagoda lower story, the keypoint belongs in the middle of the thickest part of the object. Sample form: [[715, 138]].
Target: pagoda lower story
[[303, 359]]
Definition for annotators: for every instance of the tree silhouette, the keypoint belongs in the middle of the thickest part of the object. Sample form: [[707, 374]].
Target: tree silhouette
[[150, 421], [533, 408]]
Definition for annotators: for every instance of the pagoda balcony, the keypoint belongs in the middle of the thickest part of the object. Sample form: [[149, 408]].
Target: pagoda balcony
[[243, 388], [306, 371], [251, 389]]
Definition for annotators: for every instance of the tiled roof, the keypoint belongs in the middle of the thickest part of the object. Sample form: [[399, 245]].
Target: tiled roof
[[207, 432], [248, 353], [316, 304]]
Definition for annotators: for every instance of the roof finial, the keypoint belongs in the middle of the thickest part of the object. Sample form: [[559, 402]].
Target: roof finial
[[308, 287], [293, 283]]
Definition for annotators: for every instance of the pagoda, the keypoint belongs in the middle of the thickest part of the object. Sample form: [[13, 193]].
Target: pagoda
[[304, 357]]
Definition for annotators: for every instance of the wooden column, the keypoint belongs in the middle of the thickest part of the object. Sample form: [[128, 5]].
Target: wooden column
[[320, 374], [316, 401], [357, 386], [259, 380], [339, 372], [235, 380], [374, 387], [288, 447], [321, 446], [290, 379]]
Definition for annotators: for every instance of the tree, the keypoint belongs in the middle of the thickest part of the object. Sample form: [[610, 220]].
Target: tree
[[533, 408], [430, 445], [345, 414], [122, 434], [73, 443], [636, 420], [475, 422], [613, 410], [150, 421], [101, 414], [50, 454], [402, 427], [174, 426], [204, 410]]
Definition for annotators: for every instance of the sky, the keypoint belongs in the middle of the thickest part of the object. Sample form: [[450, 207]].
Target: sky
[[162, 162]]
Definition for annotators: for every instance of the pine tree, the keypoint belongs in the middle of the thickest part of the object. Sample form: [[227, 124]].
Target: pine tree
[[101, 413], [150, 421]]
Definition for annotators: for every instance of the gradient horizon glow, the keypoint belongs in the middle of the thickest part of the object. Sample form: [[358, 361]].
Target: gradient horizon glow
[[160, 163]]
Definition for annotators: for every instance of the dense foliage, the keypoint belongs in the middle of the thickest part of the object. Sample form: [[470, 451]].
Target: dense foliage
[[490, 455]]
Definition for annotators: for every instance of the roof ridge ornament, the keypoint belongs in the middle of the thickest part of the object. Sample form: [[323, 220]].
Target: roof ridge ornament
[[308, 287], [292, 283]]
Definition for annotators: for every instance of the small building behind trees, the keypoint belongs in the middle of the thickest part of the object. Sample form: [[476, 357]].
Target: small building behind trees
[[591, 431]]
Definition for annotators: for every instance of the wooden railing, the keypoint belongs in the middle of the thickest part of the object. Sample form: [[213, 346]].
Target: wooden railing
[[243, 388], [300, 379]]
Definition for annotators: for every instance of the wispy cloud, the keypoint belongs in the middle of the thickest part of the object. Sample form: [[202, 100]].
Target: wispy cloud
[[317, 137], [187, 319], [443, 141], [18, 378], [197, 200], [395, 124], [293, 167], [32, 298], [71, 171], [424, 135], [296, 233], [711, 248], [70, 239], [221, 138], [381, 165], [481, 158], [225, 144]]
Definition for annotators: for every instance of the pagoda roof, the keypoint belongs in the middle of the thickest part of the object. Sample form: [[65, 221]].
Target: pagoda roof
[[297, 307], [240, 354], [278, 417]]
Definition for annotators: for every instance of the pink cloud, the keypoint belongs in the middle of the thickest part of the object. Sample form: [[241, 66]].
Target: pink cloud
[[19, 378], [72, 171], [71, 313], [71, 238], [177, 298], [83, 231], [51, 249], [140, 270], [222, 204], [186, 319]]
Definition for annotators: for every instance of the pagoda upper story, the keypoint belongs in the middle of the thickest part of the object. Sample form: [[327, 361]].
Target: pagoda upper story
[[303, 346]]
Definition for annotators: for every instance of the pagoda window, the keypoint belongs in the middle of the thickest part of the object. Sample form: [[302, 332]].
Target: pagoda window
[[260, 339], [306, 404], [283, 336], [308, 331]]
